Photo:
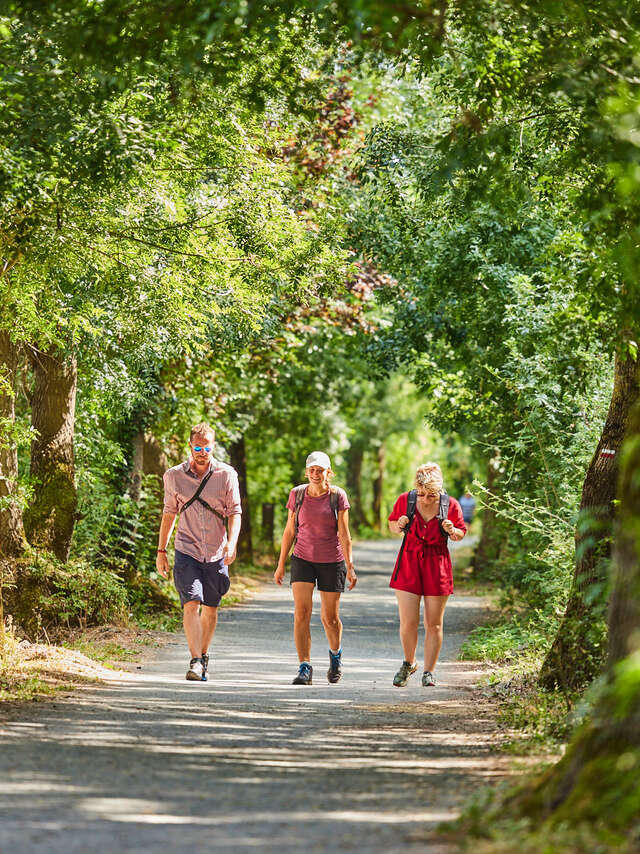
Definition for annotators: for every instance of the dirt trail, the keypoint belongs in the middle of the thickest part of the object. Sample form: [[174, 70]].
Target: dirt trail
[[247, 762]]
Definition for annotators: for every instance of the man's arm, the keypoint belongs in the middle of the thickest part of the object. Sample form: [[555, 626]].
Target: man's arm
[[235, 520], [166, 526]]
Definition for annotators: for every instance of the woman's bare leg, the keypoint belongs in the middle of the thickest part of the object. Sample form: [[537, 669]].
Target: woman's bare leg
[[409, 613], [303, 602], [331, 618], [433, 619]]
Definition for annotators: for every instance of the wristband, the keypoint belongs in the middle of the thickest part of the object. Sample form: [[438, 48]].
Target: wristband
[[162, 551]]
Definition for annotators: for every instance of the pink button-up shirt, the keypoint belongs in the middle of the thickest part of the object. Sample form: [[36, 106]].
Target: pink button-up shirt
[[201, 534]]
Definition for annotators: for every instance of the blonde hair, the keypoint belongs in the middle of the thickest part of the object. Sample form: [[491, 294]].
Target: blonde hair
[[202, 429], [429, 476]]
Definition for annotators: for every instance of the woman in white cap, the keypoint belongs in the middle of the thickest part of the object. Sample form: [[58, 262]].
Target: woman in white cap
[[318, 524]]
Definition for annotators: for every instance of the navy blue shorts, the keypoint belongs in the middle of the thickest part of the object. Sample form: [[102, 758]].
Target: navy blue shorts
[[199, 581]]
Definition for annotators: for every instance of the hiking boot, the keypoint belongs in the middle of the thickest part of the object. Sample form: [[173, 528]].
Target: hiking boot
[[335, 667], [427, 679], [205, 666], [402, 676], [305, 674], [195, 671]]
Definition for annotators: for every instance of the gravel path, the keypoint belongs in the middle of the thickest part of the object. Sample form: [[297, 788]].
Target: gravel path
[[248, 762]]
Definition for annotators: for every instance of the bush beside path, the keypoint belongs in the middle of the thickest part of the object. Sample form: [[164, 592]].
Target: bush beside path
[[247, 761]]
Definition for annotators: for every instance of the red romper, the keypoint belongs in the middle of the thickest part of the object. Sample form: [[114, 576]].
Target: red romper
[[425, 567]]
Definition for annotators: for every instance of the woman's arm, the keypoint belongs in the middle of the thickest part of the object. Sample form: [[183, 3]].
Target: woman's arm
[[455, 534], [398, 517], [344, 535], [288, 536], [396, 526], [454, 525]]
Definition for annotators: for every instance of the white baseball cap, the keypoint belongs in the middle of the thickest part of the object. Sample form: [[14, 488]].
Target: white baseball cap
[[318, 458]]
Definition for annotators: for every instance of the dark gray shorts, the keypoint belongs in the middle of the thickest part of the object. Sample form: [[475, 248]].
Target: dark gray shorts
[[199, 581], [329, 577]]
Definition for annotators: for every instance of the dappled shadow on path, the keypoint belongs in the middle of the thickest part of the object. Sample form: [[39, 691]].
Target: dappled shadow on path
[[247, 762]]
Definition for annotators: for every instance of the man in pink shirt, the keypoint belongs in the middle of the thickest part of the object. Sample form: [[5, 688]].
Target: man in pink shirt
[[204, 492]]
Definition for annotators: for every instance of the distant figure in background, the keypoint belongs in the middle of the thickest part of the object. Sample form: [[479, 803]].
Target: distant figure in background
[[318, 524], [468, 506], [428, 518]]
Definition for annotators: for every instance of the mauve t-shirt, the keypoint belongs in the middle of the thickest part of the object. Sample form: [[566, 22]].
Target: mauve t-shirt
[[317, 529]]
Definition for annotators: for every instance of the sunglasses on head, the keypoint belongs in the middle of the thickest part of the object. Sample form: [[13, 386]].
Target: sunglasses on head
[[206, 448]]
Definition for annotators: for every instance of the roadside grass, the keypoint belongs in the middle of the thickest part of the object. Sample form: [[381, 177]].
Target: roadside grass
[[541, 721], [31, 672]]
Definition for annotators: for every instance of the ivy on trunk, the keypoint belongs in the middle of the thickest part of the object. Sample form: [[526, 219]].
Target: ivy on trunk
[[50, 517]]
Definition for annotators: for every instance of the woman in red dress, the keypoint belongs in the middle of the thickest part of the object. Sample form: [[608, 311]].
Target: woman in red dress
[[423, 570]]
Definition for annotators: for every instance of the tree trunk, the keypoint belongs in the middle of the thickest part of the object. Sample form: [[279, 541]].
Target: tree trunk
[[355, 455], [268, 523], [624, 608], [576, 654], [12, 539], [238, 456], [378, 485], [154, 460], [137, 462], [488, 546], [571, 791], [50, 518]]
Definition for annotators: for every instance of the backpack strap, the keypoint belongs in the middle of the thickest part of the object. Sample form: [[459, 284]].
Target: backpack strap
[[443, 513], [197, 497], [299, 493], [196, 494], [333, 501], [412, 502], [209, 507]]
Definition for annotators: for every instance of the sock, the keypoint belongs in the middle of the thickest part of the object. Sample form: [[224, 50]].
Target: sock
[[335, 651], [305, 662]]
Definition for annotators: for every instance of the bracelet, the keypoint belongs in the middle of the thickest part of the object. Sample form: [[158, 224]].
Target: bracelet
[[162, 551]]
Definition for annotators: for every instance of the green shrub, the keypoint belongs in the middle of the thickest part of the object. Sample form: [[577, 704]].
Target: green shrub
[[44, 594]]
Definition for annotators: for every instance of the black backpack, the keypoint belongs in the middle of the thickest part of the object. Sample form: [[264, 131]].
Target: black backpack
[[412, 501], [300, 492], [443, 511]]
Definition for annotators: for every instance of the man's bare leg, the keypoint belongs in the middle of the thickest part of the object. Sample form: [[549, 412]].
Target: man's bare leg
[[208, 622], [192, 627]]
